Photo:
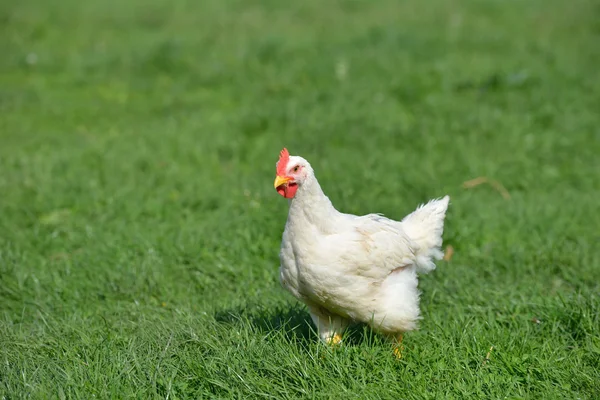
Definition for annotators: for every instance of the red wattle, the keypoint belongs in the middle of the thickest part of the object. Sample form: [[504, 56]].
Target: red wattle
[[288, 190]]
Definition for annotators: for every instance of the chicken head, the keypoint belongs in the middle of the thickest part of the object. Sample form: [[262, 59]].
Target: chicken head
[[292, 172]]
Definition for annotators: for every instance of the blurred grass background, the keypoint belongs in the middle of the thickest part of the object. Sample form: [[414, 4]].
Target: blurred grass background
[[139, 229]]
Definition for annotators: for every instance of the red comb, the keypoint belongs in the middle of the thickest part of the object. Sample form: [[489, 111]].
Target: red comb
[[284, 157]]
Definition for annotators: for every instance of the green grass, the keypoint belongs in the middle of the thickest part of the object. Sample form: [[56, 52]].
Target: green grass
[[139, 229]]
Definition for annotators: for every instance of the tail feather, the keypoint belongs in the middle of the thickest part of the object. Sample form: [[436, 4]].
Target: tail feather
[[425, 226]]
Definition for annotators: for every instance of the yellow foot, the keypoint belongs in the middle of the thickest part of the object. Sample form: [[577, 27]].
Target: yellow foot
[[398, 351], [334, 340], [398, 347]]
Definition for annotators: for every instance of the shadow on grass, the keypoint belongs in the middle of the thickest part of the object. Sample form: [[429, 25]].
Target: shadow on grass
[[293, 322]]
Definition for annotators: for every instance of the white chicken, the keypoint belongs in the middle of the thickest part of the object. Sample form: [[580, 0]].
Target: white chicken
[[354, 268]]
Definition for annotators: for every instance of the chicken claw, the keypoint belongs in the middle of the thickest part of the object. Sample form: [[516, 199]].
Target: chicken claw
[[334, 340], [398, 347]]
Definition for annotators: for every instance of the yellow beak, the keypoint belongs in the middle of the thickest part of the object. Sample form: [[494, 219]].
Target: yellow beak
[[280, 180]]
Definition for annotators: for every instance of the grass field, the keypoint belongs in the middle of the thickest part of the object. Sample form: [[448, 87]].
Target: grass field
[[139, 227]]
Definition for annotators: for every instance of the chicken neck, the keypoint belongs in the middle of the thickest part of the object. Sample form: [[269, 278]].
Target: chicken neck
[[312, 207]]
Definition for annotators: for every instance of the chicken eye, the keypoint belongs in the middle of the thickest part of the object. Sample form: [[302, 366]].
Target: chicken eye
[[295, 169]]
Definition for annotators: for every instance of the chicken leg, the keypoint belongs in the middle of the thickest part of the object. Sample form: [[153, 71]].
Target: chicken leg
[[329, 326], [398, 346]]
